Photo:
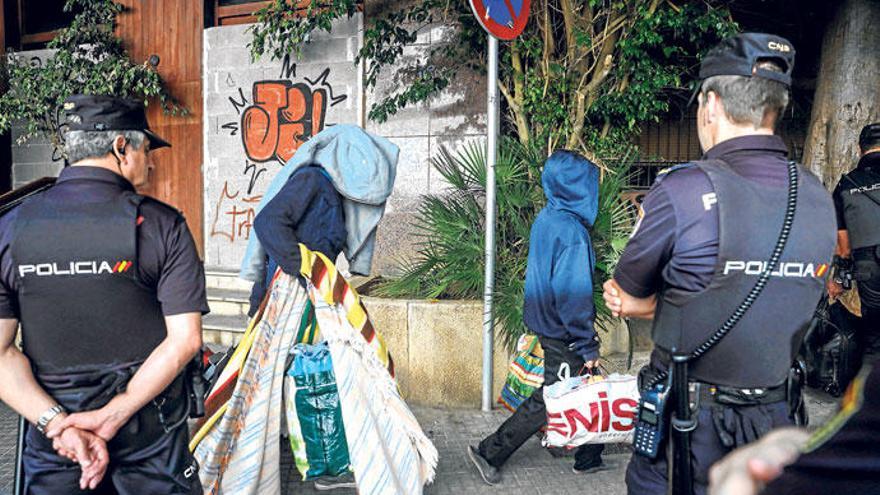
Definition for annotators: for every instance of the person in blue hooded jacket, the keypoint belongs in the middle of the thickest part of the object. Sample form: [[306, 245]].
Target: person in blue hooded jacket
[[558, 304]]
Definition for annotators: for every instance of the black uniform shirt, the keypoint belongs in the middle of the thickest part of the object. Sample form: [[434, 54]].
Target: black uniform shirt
[[842, 456], [676, 240], [869, 161], [167, 256]]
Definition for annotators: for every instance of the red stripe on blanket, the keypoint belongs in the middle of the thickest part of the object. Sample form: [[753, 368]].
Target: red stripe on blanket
[[340, 286], [368, 332], [318, 271]]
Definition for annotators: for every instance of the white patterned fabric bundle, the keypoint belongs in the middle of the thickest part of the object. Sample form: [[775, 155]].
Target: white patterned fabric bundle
[[389, 452], [240, 455]]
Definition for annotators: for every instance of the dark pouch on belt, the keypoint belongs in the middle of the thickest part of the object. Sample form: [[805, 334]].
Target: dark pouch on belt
[[739, 426]]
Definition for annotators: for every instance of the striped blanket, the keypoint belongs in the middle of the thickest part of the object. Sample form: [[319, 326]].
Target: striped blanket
[[238, 449], [240, 453], [389, 452]]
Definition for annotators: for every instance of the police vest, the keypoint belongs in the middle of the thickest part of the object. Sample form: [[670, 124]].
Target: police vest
[[860, 192], [81, 303], [759, 350]]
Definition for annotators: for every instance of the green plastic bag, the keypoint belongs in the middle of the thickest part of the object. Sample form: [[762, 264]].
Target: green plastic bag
[[314, 417]]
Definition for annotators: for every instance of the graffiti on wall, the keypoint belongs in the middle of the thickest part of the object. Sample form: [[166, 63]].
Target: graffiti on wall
[[234, 212], [273, 123], [282, 115]]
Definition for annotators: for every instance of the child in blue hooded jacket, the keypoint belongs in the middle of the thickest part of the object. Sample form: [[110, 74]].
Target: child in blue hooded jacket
[[558, 304]]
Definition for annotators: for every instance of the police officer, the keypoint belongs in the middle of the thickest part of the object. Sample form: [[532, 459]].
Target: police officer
[[707, 230], [109, 290], [857, 203]]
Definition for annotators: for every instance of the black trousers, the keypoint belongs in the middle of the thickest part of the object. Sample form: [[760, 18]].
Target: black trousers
[[143, 457], [531, 415], [738, 425], [869, 328], [163, 465]]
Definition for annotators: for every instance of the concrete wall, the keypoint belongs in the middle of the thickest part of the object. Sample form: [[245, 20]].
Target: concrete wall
[[239, 162], [237, 170], [458, 115]]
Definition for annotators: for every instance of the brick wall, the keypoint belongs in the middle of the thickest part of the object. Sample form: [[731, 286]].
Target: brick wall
[[239, 165]]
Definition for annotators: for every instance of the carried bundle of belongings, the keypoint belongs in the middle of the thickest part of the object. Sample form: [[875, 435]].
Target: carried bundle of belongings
[[590, 409], [831, 350], [342, 406], [314, 415], [525, 374]]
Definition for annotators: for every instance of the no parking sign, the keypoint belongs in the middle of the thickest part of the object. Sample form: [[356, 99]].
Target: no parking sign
[[503, 19]]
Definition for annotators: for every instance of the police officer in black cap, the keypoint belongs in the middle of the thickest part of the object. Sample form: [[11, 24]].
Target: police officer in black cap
[[109, 290], [857, 203], [705, 238]]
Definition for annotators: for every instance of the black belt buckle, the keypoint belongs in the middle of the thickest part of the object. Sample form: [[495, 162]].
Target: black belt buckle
[[730, 396]]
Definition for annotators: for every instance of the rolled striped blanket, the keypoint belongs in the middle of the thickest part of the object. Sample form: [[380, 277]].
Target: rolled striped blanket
[[240, 454], [239, 449], [390, 454]]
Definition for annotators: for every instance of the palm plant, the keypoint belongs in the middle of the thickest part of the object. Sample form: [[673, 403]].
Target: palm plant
[[449, 262]]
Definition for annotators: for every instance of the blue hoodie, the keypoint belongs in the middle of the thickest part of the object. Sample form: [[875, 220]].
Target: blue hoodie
[[559, 275]]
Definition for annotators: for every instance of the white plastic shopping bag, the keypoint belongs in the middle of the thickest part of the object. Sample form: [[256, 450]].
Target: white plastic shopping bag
[[581, 412]]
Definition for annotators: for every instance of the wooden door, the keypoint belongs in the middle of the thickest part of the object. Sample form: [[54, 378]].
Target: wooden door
[[172, 29]]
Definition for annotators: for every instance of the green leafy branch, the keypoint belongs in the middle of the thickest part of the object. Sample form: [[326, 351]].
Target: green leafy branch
[[87, 58]]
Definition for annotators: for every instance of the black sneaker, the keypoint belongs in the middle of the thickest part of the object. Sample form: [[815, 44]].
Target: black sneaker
[[590, 468], [490, 474], [325, 483]]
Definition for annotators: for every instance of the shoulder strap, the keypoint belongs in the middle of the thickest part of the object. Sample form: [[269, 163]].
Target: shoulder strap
[[15, 197]]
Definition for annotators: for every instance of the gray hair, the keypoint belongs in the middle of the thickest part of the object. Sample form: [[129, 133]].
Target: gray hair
[[79, 145], [747, 100]]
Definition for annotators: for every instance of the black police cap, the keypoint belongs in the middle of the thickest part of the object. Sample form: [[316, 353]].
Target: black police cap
[[109, 113], [740, 55], [870, 135]]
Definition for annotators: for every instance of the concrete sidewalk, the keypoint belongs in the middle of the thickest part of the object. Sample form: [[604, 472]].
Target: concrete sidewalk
[[531, 470]]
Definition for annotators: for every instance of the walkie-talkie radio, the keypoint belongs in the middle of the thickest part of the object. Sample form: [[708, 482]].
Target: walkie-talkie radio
[[651, 423]]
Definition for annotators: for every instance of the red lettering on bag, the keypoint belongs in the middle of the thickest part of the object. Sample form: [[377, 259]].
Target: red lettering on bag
[[630, 414], [606, 415], [573, 416], [557, 427]]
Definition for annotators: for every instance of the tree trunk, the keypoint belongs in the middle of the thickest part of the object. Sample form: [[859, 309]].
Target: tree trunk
[[848, 90]]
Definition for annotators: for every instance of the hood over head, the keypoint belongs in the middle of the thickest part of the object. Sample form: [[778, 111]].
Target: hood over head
[[571, 183]]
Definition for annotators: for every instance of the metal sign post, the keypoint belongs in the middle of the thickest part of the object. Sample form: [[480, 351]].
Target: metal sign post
[[502, 19], [489, 287]]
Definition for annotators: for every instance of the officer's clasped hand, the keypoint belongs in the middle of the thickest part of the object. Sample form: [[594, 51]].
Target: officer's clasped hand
[[622, 304], [87, 449], [104, 422]]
